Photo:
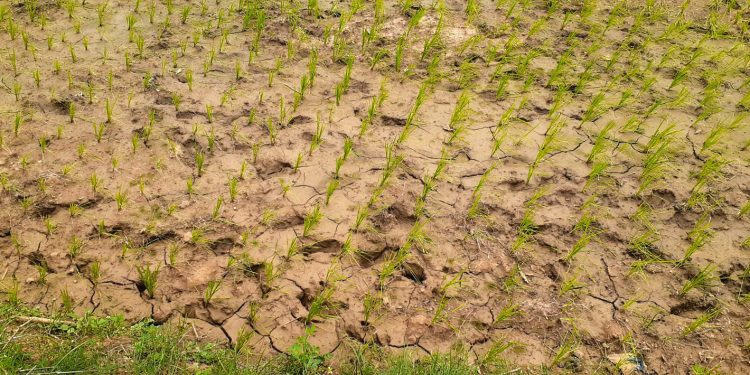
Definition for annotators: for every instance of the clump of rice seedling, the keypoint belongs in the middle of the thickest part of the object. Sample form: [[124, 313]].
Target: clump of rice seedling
[[493, 358], [217, 207], [319, 306], [43, 272], [714, 136], [211, 289], [209, 113], [148, 278], [599, 171], [95, 272], [172, 251], [711, 171], [476, 195], [311, 220], [411, 118], [75, 246], [431, 180], [232, 183], [596, 108], [371, 303], [507, 312], [570, 284], [461, 111], [121, 199], [744, 210], [331, 188], [699, 236], [95, 183], [600, 142], [200, 159], [317, 138], [658, 156], [588, 229], [362, 213], [700, 321], [472, 10], [705, 278], [442, 313], [567, 347], [272, 130], [549, 145], [375, 104], [527, 228], [12, 292]]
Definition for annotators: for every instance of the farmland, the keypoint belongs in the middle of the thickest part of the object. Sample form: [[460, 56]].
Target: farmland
[[538, 186]]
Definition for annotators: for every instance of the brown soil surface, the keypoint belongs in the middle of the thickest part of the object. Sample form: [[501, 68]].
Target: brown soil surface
[[458, 264]]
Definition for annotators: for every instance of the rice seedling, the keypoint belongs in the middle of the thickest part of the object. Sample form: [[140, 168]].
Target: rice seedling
[[711, 171], [17, 90], [317, 138], [330, 189], [75, 246], [442, 313], [744, 210], [320, 305], [701, 320], [570, 284], [17, 122], [200, 159], [72, 111], [95, 273], [461, 111], [715, 136], [189, 79], [705, 278], [311, 220], [595, 109], [508, 312], [66, 301], [699, 236], [549, 145], [526, 230], [658, 156], [98, 132], [566, 349], [49, 226], [217, 207], [148, 278], [209, 113], [600, 141], [121, 199], [272, 130], [11, 293], [232, 184], [95, 182], [211, 289], [476, 195]]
